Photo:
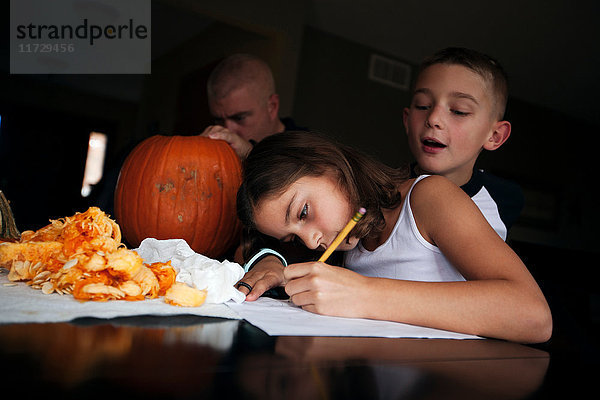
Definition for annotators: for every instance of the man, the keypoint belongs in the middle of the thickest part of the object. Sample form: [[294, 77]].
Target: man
[[242, 99]]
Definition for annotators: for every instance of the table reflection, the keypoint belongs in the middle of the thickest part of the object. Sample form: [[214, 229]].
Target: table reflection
[[426, 368], [196, 356], [135, 355]]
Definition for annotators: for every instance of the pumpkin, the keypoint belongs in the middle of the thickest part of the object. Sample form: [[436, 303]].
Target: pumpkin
[[180, 187]]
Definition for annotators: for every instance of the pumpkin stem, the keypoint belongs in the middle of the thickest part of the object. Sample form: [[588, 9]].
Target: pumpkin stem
[[8, 227]]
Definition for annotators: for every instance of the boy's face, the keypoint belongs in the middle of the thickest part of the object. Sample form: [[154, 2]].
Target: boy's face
[[450, 119]]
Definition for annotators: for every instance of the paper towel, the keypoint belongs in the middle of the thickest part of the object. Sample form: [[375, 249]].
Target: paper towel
[[216, 277]]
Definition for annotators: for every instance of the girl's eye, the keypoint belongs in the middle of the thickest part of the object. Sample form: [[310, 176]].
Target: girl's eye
[[421, 107], [303, 212]]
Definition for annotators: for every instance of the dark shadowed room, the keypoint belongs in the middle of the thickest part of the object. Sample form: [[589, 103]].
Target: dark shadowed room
[[72, 118]]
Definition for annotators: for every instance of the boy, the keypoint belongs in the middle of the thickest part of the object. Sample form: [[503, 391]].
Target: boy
[[456, 111]]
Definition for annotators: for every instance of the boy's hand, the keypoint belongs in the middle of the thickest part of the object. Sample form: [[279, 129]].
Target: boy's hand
[[264, 275]]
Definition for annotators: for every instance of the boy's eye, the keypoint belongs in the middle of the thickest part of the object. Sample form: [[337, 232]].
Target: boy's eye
[[421, 106], [460, 113]]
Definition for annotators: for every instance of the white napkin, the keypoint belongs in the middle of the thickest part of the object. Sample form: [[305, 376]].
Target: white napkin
[[197, 270]]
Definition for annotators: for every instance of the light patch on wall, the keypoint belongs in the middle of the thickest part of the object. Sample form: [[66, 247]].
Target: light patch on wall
[[94, 164], [389, 72]]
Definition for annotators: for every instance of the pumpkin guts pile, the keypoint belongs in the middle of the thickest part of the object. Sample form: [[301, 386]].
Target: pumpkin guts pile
[[83, 255]]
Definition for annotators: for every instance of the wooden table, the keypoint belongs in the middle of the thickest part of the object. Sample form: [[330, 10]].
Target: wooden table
[[198, 357]]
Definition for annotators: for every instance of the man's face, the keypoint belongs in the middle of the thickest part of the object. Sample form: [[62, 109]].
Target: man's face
[[244, 111]]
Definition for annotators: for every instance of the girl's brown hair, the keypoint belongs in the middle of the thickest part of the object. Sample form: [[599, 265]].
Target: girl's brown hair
[[281, 159]]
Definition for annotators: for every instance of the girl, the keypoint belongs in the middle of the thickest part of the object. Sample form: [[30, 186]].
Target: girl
[[423, 254]]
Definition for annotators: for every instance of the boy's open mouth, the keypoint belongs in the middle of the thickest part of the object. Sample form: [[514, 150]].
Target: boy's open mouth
[[433, 143]]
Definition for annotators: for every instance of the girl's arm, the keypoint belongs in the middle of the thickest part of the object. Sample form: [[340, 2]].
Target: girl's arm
[[499, 299], [264, 275]]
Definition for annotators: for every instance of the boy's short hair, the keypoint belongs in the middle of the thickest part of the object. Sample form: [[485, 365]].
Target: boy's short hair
[[483, 65]]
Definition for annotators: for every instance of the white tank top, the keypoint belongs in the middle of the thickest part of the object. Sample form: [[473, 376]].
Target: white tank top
[[404, 255]]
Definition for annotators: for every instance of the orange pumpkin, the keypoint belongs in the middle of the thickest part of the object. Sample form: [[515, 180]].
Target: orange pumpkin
[[180, 187]]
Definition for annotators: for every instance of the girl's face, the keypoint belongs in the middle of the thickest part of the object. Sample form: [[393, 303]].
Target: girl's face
[[313, 209]]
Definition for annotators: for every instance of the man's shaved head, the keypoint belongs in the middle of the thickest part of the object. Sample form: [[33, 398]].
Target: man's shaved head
[[240, 70]]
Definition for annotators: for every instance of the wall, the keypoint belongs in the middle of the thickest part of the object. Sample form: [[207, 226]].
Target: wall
[[335, 96], [43, 144], [551, 155], [280, 21]]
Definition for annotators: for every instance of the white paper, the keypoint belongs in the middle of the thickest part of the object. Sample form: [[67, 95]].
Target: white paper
[[20, 303], [217, 278], [283, 318]]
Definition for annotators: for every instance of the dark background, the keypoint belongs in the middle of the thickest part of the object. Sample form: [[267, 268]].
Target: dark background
[[319, 51]]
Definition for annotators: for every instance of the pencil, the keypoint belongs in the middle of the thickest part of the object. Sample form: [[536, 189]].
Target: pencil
[[342, 235]]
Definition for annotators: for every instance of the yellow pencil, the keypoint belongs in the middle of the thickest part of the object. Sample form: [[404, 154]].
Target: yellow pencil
[[342, 235]]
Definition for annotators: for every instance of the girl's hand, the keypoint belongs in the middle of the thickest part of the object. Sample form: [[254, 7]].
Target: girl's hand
[[264, 275], [326, 289]]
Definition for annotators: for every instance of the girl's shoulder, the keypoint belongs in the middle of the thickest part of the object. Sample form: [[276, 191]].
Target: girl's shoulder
[[434, 185], [436, 197]]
